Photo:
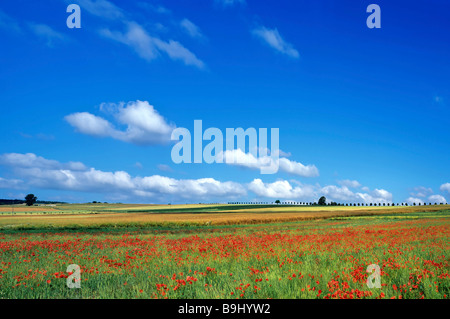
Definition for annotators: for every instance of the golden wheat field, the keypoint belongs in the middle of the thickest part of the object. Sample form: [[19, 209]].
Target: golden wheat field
[[128, 214]]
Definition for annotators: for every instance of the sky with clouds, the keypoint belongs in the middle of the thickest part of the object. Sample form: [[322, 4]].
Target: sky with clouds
[[87, 114]]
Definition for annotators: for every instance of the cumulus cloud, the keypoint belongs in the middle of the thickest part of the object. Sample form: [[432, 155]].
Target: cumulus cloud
[[413, 200], [281, 189], [11, 183], [90, 124], [144, 125], [37, 171], [30, 160], [437, 199], [150, 47], [338, 193], [285, 190], [273, 38], [240, 158], [445, 188], [421, 191], [349, 183]]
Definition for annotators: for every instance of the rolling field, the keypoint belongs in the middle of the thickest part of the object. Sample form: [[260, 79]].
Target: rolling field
[[133, 251]]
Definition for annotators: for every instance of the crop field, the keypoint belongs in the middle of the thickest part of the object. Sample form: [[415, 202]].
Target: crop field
[[322, 254], [122, 215]]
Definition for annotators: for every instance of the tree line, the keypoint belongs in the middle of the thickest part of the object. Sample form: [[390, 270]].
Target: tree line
[[323, 202]]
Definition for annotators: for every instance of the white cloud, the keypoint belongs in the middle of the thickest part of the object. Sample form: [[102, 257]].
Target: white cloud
[[144, 124], [439, 100], [46, 32], [155, 8], [382, 195], [191, 29], [297, 168], [30, 160], [229, 3], [49, 174], [8, 23], [445, 188], [421, 191], [150, 47], [281, 189], [11, 183], [339, 193], [102, 8], [90, 124], [413, 200], [38, 172], [437, 199], [164, 168], [284, 190], [190, 188], [273, 38], [240, 158], [136, 37], [349, 183]]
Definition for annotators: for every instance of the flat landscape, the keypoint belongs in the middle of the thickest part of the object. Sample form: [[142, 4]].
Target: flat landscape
[[224, 251], [126, 215]]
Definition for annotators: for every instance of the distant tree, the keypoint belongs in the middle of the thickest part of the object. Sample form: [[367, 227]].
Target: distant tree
[[322, 201], [277, 201], [30, 199]]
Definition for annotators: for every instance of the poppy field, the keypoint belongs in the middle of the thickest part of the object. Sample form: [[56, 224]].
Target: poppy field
[[303, 259]]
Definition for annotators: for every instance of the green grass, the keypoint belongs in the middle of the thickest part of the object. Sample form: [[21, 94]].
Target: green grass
[[330, 250]]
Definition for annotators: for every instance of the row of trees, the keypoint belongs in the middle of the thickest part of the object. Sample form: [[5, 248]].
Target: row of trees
[[323, 202], [332, 204]]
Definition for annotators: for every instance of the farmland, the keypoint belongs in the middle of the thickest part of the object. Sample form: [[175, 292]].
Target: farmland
[[123, 215], [220, 251]]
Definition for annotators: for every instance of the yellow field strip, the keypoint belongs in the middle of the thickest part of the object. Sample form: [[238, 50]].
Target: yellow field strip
[[226, 218]]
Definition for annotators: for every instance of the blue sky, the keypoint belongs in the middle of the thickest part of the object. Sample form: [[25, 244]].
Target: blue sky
[[367, 108]]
